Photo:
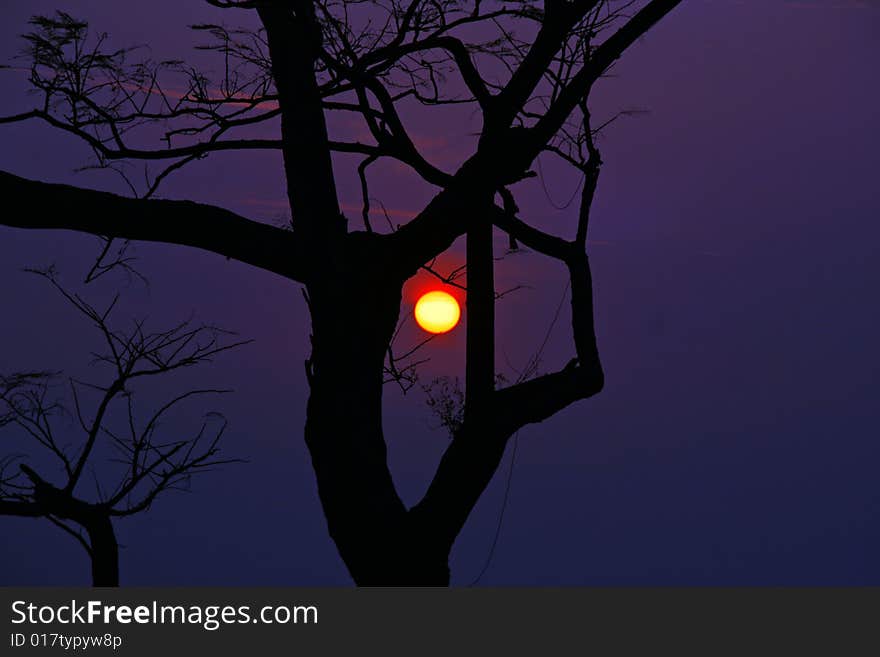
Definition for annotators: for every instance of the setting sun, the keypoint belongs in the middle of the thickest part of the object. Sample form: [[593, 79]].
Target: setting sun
[[437, 312]]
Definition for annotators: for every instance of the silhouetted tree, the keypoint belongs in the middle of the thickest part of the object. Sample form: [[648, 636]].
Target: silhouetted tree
[[528, 68], [146, 464]]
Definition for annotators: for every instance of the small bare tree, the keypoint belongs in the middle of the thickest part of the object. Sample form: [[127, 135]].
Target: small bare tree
[[145, 463]]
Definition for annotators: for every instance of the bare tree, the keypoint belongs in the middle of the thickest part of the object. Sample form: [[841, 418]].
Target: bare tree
[[527, 67], [145, 464]]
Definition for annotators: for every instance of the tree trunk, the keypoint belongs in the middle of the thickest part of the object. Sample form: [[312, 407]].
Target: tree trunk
[[102, 546], [354, 314], [105, 551]]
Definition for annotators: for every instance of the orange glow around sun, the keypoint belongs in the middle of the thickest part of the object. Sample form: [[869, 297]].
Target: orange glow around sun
[[437, 312]]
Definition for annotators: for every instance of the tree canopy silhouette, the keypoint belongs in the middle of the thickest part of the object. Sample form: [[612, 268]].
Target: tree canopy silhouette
[[140, 461], [527, 67]]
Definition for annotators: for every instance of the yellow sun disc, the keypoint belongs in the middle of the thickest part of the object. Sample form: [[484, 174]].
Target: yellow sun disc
[[437, 312]]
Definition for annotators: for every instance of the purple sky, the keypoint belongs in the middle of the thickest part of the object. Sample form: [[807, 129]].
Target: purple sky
[[735, 258]]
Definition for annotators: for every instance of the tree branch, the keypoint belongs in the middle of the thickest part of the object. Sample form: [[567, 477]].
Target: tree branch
[[472, 458], [603, 57], [535, 239], [20, 509], [294, 38], [558, 21], [173, 222]]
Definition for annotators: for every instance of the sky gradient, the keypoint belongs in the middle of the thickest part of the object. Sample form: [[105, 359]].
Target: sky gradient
[[735, 259]]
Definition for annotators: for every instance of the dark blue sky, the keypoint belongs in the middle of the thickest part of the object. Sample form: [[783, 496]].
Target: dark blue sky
[[736, 262]]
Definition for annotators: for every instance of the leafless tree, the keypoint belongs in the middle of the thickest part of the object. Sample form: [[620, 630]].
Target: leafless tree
[[527, 67], [144, 462]]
